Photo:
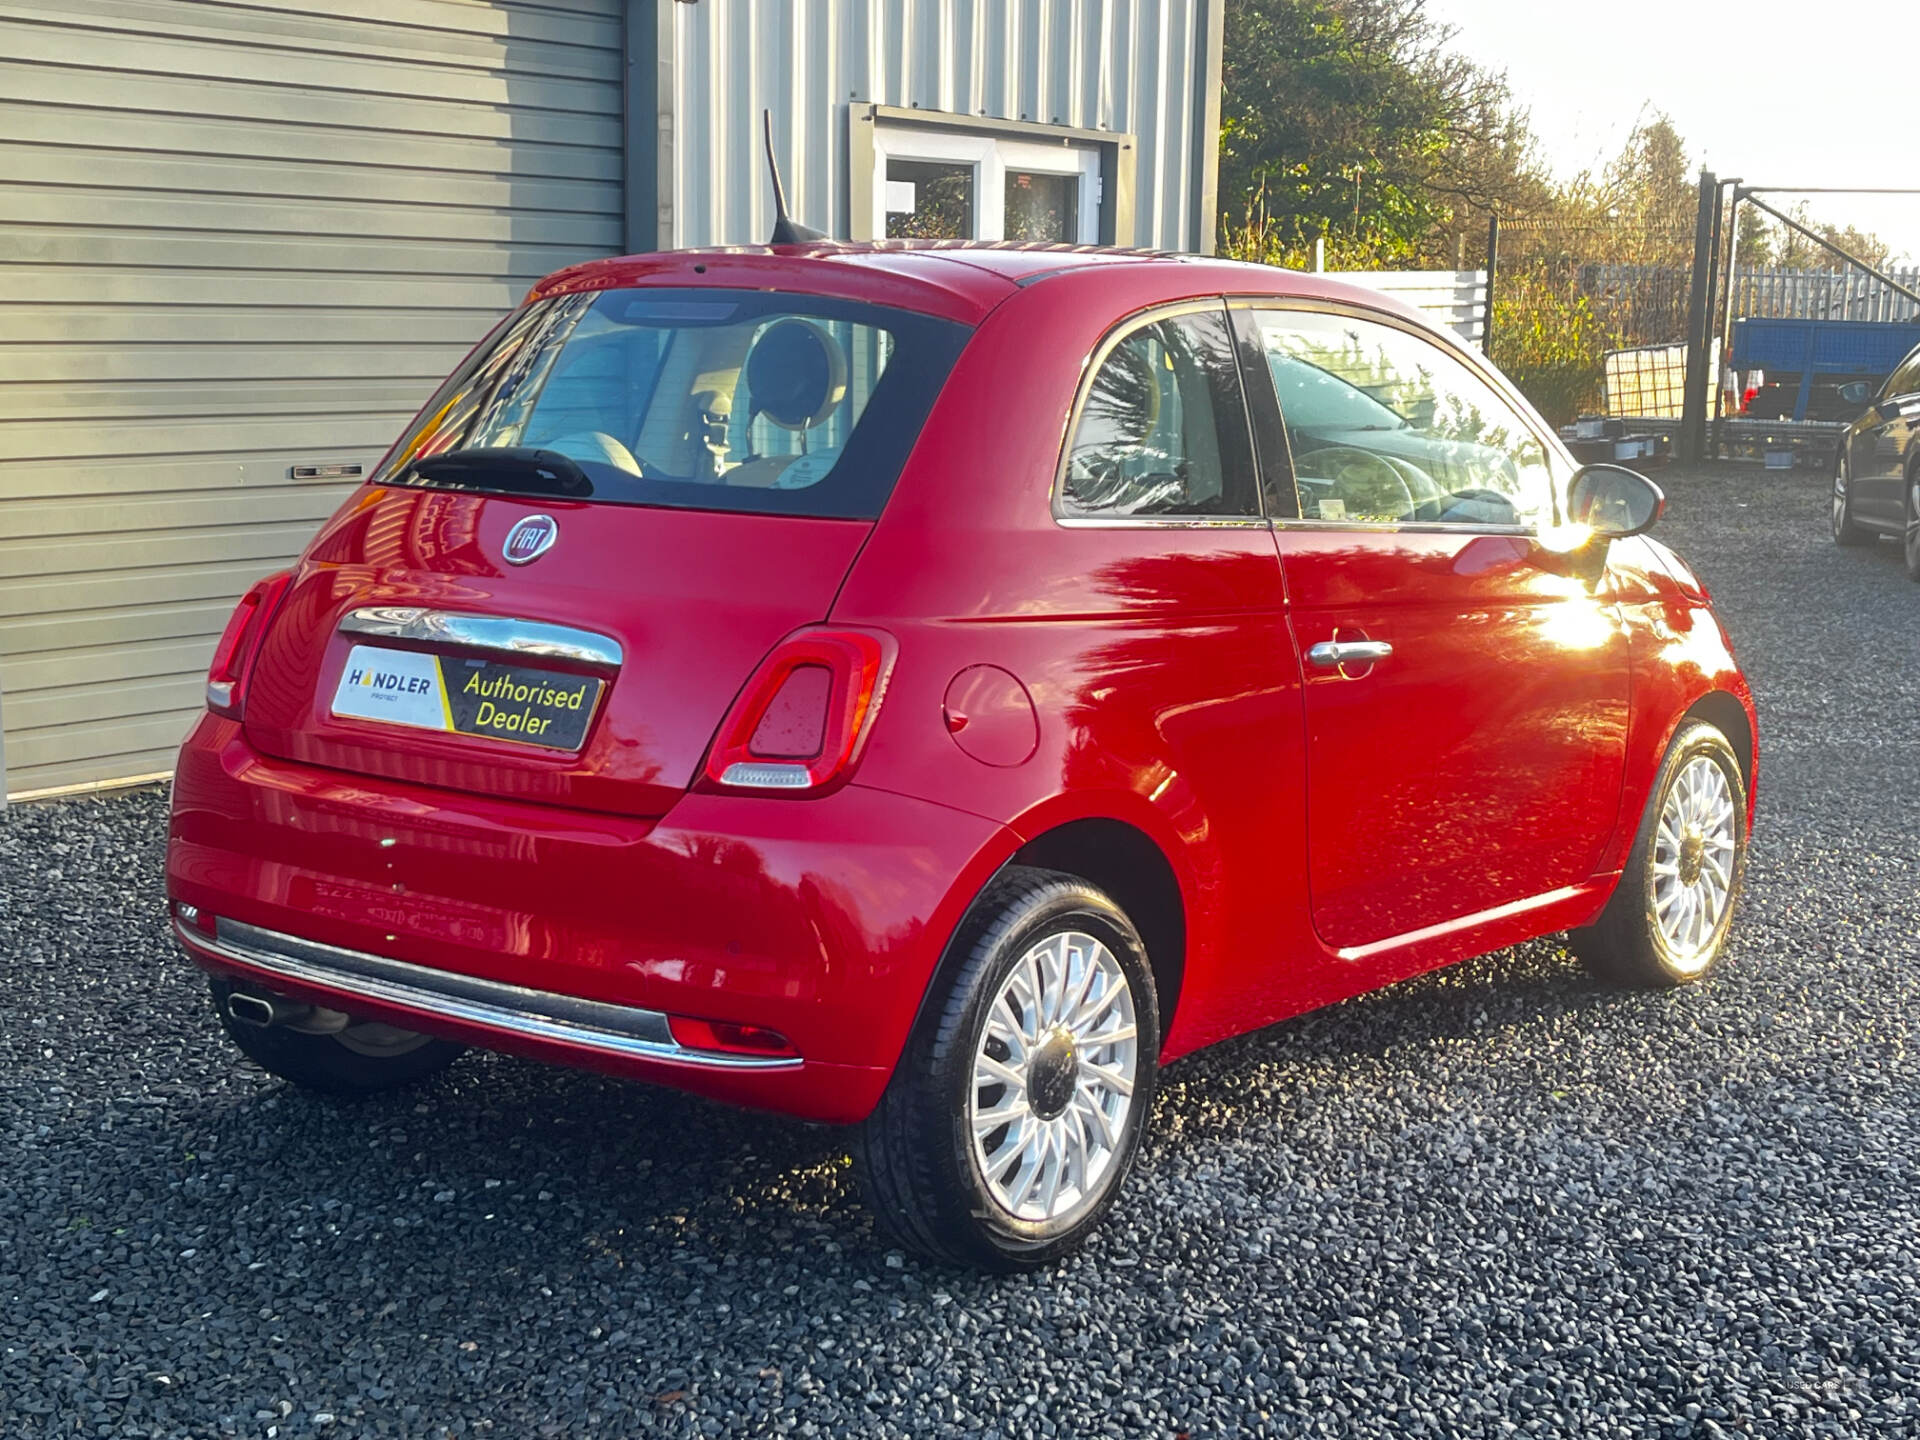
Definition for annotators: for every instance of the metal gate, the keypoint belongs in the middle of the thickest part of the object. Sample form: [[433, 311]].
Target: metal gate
[[238, 244]]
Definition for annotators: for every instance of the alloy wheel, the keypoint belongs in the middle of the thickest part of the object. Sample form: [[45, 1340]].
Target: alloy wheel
[[1693, 858], [1053, 1078], [1913, 524]]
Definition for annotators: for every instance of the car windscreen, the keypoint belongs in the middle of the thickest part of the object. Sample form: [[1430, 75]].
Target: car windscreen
[[1315, 399], [753, 401]]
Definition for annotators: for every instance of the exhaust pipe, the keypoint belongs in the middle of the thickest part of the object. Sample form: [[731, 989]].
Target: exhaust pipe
[[255, 1010], [246, 1007]]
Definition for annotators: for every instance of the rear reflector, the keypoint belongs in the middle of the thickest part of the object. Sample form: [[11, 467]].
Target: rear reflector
[[749, 776], [802, 719], [721, 1037], [201, 920]]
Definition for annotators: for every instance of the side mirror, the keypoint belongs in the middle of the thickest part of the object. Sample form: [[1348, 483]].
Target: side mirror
[[1613, 501], [1855, 392]]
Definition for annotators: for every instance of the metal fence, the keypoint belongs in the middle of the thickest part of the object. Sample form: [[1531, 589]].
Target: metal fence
[[1639, 304], [1847, 294], [1631, 277]]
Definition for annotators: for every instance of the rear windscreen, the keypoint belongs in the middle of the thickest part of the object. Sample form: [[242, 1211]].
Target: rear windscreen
[[749, 401]]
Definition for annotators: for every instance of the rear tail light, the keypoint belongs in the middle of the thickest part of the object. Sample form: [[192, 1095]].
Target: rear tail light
[[799, 724], [721, 1037], [238, 642]]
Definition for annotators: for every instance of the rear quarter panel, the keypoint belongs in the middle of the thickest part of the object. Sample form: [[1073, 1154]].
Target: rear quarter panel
[[1157, 659]]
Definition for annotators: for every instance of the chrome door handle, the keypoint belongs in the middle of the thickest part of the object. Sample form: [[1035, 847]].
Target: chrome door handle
[[1329, 654]]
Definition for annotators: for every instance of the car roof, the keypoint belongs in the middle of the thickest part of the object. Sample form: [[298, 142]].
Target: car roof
[[959, 280]]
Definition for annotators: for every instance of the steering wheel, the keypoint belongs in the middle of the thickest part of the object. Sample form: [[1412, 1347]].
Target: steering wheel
[[595, 445], [1365, 482]]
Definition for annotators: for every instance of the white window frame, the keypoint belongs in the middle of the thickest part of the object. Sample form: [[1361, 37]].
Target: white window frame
[[990, 156]]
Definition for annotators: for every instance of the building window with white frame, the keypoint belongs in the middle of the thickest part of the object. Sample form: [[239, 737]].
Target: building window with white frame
[[937, 184]]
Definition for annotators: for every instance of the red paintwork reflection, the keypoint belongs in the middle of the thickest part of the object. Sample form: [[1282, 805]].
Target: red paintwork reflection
[[1439, 780], [818, 922], [1327, 833]]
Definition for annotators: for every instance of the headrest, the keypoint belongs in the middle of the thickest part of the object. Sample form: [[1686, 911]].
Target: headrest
[[796, 374]]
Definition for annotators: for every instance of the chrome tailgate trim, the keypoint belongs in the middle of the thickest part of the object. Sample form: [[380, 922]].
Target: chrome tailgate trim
[[489, 634]]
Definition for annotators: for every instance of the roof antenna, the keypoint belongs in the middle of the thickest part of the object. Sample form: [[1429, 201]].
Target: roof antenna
[[785, 231]]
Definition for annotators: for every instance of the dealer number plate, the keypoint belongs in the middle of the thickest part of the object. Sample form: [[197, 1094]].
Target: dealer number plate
[[467, 697]]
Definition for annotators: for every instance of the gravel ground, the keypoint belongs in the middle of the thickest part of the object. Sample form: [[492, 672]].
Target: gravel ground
[[1497, 1199]]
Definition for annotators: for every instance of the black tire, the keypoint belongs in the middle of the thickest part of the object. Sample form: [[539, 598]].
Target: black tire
[[1626, 946], [327, 1063], [1846, 531], [1910, 537], [915, 1153]]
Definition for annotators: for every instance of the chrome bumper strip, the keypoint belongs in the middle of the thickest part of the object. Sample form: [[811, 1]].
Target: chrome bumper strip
[[538, 1014], [492, 634]]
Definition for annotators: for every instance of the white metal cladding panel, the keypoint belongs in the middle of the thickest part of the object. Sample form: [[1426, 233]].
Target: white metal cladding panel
[[235, 237], [1120, 65], [1456, 299]]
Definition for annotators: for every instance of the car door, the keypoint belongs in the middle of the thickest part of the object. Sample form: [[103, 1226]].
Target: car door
[[1880, 444], [1464, 685]]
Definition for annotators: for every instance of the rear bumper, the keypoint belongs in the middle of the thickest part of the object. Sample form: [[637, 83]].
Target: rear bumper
[[446, 998], [571, 937]]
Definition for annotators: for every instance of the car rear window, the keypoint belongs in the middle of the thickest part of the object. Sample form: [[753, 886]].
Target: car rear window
[[754, 401]]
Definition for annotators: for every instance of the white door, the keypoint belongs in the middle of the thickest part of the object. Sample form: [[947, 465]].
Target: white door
[[934, 185]]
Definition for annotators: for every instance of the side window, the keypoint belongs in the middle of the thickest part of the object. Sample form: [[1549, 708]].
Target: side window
[[1386, 426], [1163, 430]]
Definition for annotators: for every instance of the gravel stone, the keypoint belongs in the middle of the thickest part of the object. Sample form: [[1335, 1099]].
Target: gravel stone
[[1496, 1200]]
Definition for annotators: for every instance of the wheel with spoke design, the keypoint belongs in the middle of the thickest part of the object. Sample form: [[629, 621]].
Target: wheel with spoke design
[[1667, 922], [1015, 1113], [1053, 1077], [1910, 540], [1845, 530]]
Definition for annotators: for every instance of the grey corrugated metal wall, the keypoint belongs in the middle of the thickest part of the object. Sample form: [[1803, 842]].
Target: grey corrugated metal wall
[[234, 238], [1137, 66]]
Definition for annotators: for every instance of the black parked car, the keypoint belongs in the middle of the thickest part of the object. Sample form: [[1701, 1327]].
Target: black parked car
[[1876, 479]]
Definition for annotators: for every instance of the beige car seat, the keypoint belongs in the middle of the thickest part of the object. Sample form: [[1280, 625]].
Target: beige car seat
[[796, 377]]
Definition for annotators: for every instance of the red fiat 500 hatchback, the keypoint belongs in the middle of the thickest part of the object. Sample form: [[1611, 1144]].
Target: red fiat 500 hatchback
[[930, 689]]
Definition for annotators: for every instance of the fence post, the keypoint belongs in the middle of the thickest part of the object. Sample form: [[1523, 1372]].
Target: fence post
[[1693, 405], [1714, 281], [1726, 312], [1493, 267], [1714, 278]]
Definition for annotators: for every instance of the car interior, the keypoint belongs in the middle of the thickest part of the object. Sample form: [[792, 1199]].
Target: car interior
[[638, 390], [1147, 441], [1382, 433], [764, 402]]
